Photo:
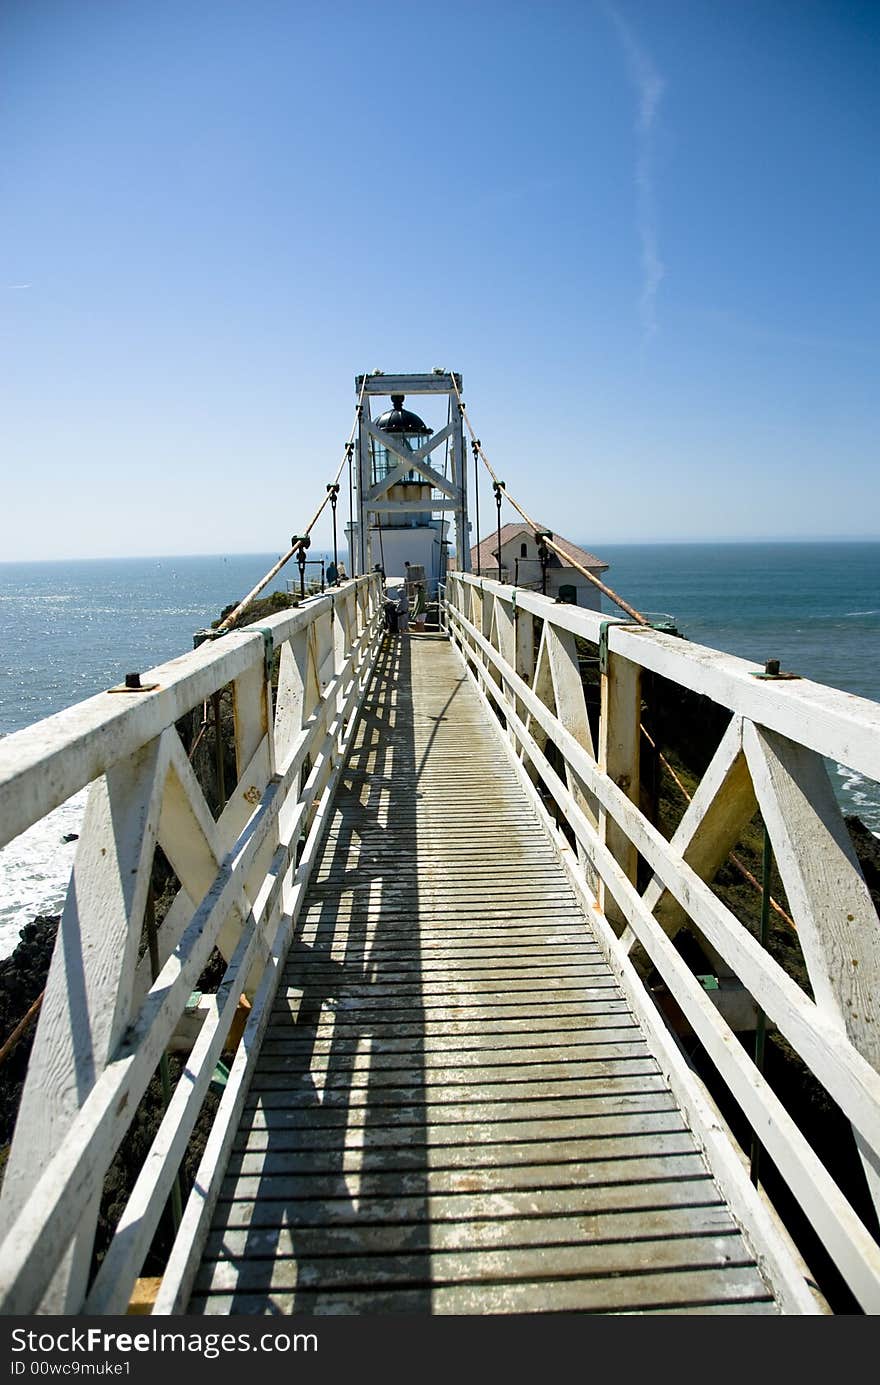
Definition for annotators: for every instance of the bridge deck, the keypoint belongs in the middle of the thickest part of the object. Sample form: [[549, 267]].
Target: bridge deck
[[454, 1110]]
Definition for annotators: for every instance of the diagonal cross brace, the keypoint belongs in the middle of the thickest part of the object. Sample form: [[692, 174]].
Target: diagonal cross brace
[[410, 461]]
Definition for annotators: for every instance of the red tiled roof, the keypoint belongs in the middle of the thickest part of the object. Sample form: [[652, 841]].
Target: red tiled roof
[[488, 548]]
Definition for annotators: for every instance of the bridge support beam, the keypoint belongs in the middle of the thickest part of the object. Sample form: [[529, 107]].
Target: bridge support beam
[[619, 743]]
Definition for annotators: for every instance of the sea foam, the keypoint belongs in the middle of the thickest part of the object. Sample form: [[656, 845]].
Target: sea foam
[[35, 869]]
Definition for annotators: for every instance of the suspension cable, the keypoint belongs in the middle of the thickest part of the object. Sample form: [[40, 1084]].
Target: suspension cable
[[299, 542], [637, 616], [560, 552]]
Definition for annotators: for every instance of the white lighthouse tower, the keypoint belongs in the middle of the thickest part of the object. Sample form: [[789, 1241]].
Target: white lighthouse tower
[[407, 512]]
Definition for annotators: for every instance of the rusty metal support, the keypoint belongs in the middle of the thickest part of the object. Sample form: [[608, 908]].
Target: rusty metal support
[[475, 447], [334, 497], [497, 486], [542, 535], [218, 752], [350, 451]]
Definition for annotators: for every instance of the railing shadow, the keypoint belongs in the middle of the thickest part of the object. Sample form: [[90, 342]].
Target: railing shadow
[[337, 1151]]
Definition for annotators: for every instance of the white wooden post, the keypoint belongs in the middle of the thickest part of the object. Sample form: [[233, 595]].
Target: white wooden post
[[525, 644], [504, 640], [500, 636], [619, 743], [255, 763], [829, 900], [542, 686], [340, 614], [722, 806], [88, 993], [292, 668], [571, 709], [476, 600]]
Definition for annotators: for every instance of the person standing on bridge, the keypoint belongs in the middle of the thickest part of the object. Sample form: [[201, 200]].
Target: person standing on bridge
[[403, 612]]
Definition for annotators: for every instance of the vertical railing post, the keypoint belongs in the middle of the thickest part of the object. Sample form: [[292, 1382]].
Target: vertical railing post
[[619, 742], [349, 450], [761, 1022], [89, 995], [497, 487], [475, 446], [334, 497]]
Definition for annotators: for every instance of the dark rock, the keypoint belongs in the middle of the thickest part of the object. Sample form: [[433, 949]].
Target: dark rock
[[22, 979], [259, 608], [70, 837]]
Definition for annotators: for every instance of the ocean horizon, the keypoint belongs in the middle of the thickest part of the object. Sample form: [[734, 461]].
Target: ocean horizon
[[590, 544]]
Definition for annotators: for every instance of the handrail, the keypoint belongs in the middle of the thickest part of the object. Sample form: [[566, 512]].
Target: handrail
[[543, 535], [105, 1022], [520, 650]]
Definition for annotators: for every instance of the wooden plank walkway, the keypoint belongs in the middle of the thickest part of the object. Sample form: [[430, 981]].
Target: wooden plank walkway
[[454, 1110]]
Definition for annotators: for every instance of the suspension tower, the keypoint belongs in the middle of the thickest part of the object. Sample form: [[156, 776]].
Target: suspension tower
[[405, 498]]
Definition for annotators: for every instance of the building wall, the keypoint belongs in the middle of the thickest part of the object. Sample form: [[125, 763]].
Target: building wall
[[401, 546], [527, 572], [587, 595]]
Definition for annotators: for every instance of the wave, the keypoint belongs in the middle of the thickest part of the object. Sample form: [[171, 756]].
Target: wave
[[859, 795], [35, 868], [36, 598]]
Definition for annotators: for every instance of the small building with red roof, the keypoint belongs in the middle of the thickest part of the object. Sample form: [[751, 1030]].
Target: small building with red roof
[[521, 565]]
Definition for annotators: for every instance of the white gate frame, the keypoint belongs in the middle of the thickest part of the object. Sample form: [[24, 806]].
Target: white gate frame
[[372, 499]]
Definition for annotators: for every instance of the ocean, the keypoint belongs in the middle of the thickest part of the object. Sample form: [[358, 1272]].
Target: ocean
[[70, 629]]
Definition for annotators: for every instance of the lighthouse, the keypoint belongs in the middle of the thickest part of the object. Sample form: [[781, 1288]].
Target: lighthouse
[[411, 489]]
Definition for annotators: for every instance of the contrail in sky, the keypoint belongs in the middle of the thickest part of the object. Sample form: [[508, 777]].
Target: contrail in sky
[[649, 87], [19, 286]]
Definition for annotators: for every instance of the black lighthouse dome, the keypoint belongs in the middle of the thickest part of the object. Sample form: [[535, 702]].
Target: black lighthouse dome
[[397, 419]]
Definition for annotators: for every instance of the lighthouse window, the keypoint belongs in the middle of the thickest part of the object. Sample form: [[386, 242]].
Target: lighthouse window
[[412, 444], [380, 462]]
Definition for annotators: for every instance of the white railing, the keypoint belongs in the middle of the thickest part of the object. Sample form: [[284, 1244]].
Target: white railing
[[106, 1022], [520, 649]]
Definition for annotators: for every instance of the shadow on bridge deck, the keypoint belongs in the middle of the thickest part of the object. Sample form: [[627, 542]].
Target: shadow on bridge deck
[[314, 1160], [453, 1109]]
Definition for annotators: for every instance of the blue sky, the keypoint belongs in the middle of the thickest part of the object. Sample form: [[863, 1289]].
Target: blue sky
[[645, 232]]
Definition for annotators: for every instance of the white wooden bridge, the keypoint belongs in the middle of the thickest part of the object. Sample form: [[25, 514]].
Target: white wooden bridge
[[453, 1092]]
